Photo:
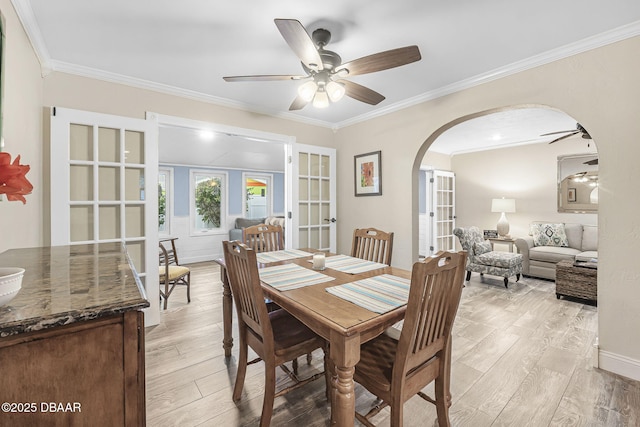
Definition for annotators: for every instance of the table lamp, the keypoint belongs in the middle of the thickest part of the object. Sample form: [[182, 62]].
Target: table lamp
[[503, 206]]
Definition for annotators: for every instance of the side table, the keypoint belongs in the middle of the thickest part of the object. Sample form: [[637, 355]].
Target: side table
[[503, 241], [580, 281]]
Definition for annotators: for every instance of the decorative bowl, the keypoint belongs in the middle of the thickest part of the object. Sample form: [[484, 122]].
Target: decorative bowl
[[10, 283]]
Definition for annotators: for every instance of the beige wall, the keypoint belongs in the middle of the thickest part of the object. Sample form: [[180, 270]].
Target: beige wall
[[21, 225], [526, 173], [599, 88], [433, 160]]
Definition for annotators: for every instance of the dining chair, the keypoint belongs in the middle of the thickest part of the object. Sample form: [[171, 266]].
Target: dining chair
[[397, 365], [263, 237], [372, 245], [267, 238], [171, 272], [276, 337]]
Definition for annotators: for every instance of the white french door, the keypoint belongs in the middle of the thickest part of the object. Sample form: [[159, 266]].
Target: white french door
[[314, 197], [441, 188], [104, 188]]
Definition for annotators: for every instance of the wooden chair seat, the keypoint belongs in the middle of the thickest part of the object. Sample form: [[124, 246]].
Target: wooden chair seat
[[291, 337], [175, 272], [377, 359]]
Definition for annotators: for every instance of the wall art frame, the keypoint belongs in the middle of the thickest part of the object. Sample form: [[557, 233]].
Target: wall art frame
[[368, 174]]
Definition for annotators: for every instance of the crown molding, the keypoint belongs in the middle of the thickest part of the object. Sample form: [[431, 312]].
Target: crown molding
[[28, 20]]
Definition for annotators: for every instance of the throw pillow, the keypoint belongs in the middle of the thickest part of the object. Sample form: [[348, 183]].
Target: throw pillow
[[480, 248], [549, 235]]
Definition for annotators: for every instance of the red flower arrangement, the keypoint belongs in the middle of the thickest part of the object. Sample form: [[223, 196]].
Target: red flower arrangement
[[13, 181]]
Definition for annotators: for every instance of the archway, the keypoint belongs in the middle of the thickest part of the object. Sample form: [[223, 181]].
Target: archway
[[523, 169]]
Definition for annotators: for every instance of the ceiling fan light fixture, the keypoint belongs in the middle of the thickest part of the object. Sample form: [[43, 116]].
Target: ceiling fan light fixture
[[335, 90], [321, 100], [307, 90]]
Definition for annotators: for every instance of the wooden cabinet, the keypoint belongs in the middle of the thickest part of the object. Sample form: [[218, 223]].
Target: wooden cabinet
[[86, 373]]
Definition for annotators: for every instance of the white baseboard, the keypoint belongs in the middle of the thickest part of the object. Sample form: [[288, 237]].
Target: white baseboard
[[620, 365]]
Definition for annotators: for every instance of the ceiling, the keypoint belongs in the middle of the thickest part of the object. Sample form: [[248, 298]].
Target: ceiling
[[186, 47]]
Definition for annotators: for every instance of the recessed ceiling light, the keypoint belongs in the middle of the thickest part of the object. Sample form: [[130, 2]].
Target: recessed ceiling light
[[496, 137]]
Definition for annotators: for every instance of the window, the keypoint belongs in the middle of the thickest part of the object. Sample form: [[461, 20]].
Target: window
[[258, 199], [165, 200], [208, 201]]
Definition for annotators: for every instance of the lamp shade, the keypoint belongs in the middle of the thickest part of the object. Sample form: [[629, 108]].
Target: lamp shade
[[503, 205]]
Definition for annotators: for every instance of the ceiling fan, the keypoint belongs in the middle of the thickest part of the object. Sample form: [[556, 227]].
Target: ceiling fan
[[578, 129], [325, 73]]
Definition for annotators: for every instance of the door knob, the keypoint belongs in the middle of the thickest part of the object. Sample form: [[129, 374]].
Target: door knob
[[330, 220]]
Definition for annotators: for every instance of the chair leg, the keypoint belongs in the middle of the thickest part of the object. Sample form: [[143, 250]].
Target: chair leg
[[166, 294], [396, 419], [518, 277], [309, 358], [269, 393], [506, 282], [468, 276], [328, 373], [189, 287], [242, 368], [442, 404]]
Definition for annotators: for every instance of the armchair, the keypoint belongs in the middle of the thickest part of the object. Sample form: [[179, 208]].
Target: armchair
[[483, 259]]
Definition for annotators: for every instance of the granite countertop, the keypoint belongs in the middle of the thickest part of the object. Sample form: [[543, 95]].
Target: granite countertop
[[67, 284]]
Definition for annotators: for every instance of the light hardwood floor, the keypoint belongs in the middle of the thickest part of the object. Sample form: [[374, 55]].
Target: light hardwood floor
[[520, 358]]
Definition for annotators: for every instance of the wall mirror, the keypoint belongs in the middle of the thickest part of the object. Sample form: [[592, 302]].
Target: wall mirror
[[578, 183]]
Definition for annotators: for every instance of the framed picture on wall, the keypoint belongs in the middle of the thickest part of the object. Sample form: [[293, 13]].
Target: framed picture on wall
[[571, 195], [368, 174]]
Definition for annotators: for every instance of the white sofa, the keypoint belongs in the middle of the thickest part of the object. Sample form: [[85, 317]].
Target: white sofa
[[540, 260]]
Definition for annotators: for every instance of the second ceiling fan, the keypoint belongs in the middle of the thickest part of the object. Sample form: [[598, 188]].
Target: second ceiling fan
[[577, 130], [325, 73]]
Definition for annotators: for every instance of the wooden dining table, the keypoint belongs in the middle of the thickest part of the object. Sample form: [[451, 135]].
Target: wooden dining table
[[343, 324]]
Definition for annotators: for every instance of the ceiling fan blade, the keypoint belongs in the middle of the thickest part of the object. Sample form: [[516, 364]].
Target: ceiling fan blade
[[361, 93], [298, 104], [298, 39], [382, 60], [560, 131], [563, 137], [261, 78]]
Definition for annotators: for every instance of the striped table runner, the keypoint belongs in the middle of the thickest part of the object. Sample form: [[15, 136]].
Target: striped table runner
[[378, 294], [291, 276], [352, 265], [275, 256]]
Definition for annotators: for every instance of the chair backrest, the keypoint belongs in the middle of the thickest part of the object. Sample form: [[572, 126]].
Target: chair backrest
[[434, 296], [263, 238], [168, 256], [468, 237], [372, 245], [242, 271]]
